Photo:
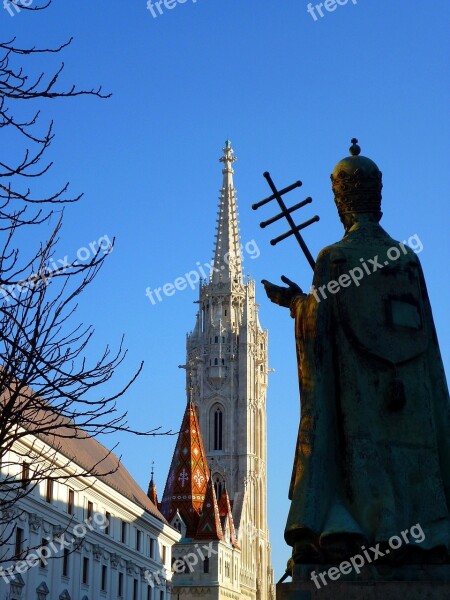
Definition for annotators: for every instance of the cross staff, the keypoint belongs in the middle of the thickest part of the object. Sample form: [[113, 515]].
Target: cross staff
[[286, 213]]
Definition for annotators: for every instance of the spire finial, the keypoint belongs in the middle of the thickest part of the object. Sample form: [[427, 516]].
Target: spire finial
[[355, 150], [153, 470], [228, 159]]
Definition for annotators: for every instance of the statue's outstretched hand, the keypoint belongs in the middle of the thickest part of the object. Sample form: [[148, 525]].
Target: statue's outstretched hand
[[282, 295]]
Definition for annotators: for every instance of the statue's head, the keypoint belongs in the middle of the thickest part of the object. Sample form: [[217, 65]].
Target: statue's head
[[357, 185]]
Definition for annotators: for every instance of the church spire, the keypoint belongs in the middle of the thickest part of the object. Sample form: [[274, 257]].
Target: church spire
[[188, 476], [227, 254], [152, 494]]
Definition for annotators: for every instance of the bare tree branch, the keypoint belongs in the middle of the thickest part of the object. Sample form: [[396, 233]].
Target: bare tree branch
[[51, 389]]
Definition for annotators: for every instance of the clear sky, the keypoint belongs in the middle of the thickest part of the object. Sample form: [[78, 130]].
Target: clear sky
[[290, 92]]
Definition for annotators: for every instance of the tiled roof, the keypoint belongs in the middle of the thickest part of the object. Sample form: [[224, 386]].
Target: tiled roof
[[226, 517], [209, 526], [88, 452], [85, 451], [188, 475]]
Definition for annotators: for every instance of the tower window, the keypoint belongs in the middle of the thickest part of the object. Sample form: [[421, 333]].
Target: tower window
[[216, 339], [216, 361], [177, 525], [218, 486], [218, 429]]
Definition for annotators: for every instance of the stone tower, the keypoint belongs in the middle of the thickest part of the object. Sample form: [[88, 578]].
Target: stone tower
[[227, 369]]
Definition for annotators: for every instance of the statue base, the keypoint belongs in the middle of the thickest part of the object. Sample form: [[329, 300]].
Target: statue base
[[364, 590], [412, 582]]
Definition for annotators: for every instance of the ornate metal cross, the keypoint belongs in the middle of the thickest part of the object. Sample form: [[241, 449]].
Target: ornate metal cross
[[286, 213]]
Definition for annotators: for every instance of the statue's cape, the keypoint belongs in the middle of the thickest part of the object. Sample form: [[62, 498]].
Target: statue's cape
[[379, 318], [360, 468]]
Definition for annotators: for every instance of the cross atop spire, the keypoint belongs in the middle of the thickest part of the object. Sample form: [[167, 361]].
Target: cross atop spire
[[227, 254]]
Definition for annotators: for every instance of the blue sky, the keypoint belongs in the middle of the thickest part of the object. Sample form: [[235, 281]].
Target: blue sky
[[289, 92]]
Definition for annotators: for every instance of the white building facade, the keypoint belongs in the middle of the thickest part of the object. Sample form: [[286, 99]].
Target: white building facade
[[78, 539]]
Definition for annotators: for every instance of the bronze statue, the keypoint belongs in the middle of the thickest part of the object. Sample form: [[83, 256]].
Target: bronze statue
[[373, 451]]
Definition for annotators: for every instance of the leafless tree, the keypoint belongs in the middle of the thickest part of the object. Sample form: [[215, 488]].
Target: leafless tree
[[49, 387]]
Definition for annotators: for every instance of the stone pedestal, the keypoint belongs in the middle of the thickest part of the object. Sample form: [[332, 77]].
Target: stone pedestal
[[374, 582], [364, 590]]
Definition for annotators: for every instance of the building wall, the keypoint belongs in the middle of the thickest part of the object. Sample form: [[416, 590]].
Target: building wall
[[143, 558], [222, 579]]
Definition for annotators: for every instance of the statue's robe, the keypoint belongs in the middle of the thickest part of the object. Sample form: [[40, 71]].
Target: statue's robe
[[373, 451]]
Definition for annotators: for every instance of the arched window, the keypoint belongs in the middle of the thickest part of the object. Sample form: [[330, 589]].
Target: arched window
[[177, 524], [218, 429], [216, 361], [219, 486]]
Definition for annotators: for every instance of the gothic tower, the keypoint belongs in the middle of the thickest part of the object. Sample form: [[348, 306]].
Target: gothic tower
[[227, 370]]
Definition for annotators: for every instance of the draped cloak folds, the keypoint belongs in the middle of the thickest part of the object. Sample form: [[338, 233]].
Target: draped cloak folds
[[367, 467]]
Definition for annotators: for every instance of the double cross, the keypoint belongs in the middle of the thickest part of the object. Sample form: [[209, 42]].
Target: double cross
[[286, 213]]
